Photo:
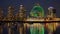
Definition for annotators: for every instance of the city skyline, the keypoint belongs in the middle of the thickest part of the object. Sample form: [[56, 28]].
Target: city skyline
[[29, 4]]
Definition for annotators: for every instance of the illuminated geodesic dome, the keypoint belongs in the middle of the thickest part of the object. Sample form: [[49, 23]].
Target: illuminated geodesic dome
[[37, 11]]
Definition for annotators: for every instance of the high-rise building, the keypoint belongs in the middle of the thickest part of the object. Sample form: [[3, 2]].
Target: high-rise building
[[10, 15], [51, 15], [22, 13], [1, 14], [51, 12]]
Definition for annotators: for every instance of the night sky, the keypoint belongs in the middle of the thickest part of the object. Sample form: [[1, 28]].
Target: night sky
[[29, 4]]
